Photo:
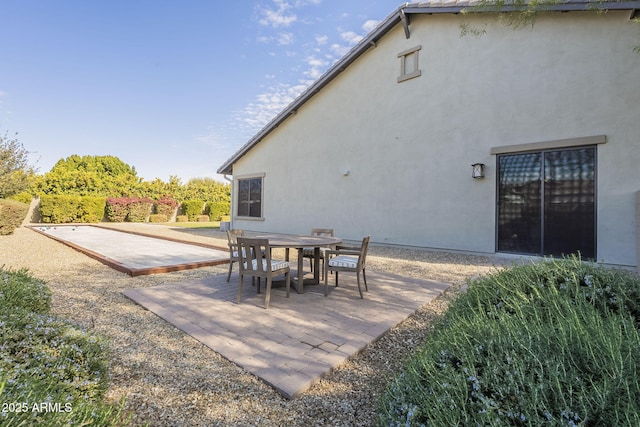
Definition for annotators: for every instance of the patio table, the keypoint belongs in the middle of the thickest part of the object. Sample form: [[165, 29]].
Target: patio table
[[299, 242]]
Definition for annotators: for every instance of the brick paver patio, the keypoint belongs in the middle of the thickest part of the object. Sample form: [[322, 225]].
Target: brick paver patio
[[297, 340]]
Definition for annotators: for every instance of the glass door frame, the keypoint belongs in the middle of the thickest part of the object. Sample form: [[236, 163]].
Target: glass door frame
[[542, 196]]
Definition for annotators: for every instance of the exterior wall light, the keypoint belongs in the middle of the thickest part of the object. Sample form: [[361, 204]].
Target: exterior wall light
[[478, 170]]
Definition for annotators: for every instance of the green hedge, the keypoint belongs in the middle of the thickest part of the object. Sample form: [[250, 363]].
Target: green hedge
[[192, 209], [71, 209], [216, 210], [549, 344], [158, 218], [12, 213]]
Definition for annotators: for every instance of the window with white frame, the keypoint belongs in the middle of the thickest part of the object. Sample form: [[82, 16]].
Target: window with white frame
[[409, 64], [249, 200]]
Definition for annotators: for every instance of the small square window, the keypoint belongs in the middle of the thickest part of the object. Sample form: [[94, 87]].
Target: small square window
[[409, 64]]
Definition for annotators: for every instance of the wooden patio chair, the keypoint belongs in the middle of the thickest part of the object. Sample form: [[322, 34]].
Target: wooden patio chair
[[350, 259], [309, 252], [232, 238], [255, 261]]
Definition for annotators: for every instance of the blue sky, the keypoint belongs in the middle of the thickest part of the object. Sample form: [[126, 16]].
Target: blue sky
[[171, 87]]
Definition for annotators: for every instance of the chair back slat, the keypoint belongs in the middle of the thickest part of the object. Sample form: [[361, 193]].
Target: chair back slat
[[232, 237], [251, 252], [363, 250], [324, 232]]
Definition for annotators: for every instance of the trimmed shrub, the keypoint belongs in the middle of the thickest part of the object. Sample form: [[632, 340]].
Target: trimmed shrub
[[59, 209], [12, 213], [165, 206], [182, 218], [547, 344], [133, 209], [158, 218], [68, 209], [203, 218], [216, 210], [139, 209], [91, 209], [192, 208], [117, 209]]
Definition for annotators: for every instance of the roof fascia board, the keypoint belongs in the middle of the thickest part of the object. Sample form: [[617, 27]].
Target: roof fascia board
[[561, 6]]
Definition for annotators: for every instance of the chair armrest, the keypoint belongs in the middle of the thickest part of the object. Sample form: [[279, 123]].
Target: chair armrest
[[349, 248], [342, 252]]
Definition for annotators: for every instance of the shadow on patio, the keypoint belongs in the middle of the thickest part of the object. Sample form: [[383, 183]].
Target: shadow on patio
[[297, 340]]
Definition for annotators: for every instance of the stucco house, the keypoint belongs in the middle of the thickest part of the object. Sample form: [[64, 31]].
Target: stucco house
[[383, 142]]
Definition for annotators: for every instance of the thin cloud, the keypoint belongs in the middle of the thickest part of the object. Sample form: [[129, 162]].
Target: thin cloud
[[370, 25], [278, 17], [285, 39], [276, 97], [268, 104], [351, 37], [322, 40]]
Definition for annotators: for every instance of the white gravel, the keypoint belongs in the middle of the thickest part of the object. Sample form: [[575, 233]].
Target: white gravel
[[170, 379]]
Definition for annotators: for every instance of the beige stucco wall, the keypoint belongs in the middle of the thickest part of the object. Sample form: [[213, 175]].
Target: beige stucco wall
[[408, 146]]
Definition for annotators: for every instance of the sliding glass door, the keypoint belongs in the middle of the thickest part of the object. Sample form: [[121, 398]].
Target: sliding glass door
[[546, 202]]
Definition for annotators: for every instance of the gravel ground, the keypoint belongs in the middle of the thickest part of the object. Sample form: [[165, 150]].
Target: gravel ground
[[170, 379]]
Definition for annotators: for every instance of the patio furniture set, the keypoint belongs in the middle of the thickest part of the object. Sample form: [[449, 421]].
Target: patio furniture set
[[253, 256]]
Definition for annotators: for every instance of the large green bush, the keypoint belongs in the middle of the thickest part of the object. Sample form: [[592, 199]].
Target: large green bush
[[549, 344], [192, 208], [51, 372], [12, 213], [216, 210], [71, 209]]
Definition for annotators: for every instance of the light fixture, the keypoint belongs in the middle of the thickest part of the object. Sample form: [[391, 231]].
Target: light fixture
[[478, 170]]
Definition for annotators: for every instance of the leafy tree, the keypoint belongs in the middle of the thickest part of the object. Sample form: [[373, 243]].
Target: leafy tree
[[207, 189], [91, 175], [15, 172]]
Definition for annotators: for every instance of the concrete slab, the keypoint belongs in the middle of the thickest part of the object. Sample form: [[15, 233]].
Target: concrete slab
[[298, 339], [134, 254]]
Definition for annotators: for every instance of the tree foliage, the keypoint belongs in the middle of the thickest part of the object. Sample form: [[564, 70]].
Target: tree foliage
[[207, 189], [90, 175], [15, 171], [108, 176]]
